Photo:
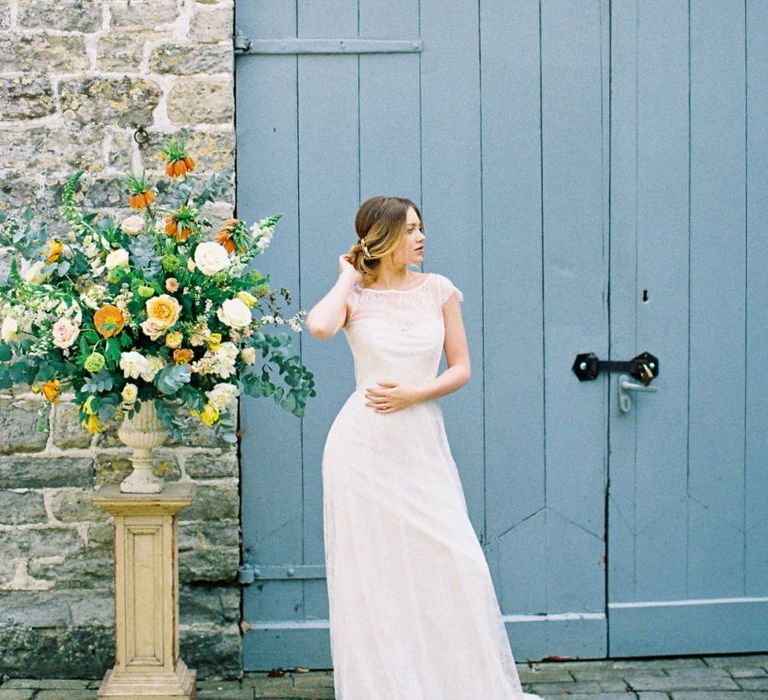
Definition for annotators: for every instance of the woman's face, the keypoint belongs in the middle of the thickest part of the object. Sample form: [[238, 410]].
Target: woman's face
[[410, 251]]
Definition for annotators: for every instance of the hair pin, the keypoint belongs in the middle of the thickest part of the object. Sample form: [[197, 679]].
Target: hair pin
[[366, 252]]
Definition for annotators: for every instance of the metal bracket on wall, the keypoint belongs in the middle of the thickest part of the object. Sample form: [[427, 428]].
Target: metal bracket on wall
[[253, 573], [644, 366], [246, 46]]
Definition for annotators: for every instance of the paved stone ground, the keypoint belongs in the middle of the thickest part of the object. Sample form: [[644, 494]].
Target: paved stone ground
[[743, 677]]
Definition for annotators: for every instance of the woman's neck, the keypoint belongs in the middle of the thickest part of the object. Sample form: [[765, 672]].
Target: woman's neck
[[392, 277]]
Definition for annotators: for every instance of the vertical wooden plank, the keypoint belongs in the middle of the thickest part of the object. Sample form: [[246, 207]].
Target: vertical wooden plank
[[574, 135], [756, 475], [450, 128], [649, 298], [266, 19], [389, 128], [271, 444], [717, 298], [328, 192], [513, 309]]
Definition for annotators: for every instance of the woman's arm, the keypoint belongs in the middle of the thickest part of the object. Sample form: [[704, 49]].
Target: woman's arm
[[330, 313], [458, 370]]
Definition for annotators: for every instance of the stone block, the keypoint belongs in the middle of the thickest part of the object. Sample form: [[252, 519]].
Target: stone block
[[74, 505], [202, 465], [67, 432], [201, 101], [189, 59], [123, 101], [123, 52], [5, 14], [213, 651], [119, 149], [25, 471], [66, 15], [62, 694], [10, 694], [44, 53], [84, 571], [143, 14], [112, 469], [213, 501], [18, 420], [41, 542], [207, 604], [25, 97], [33, 609], [209, 551], [72, 652], [20, 508], [212, 23]]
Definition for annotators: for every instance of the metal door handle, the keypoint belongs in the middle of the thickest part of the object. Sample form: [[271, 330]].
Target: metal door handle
[[625, 384]]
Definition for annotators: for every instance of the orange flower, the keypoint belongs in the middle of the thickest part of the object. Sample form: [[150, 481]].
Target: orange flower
[[51, 390], [180, 230], [55, 249], [224, 237], [109, 321], [181, 356]]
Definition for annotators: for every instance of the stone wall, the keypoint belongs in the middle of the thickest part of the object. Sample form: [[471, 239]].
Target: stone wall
[[77, 77]]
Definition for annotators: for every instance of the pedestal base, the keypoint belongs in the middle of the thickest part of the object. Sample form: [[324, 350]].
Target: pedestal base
[[157, 685]]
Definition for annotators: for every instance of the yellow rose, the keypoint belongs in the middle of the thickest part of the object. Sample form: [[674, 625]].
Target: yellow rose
[[214, 341], [209, 415], [173, 340], [247, 298], [163, 311]]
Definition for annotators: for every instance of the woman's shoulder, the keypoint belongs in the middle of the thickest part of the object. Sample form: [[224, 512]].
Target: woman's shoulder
[[443, 287]]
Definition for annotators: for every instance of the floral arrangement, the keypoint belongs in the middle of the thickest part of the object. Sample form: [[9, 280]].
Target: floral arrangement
[[148, 308]]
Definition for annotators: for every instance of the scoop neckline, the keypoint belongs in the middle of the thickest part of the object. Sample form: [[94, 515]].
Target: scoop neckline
[[427, 275]]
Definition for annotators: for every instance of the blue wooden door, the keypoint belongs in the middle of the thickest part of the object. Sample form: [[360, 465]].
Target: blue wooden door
[[497, 118], [688, 525]]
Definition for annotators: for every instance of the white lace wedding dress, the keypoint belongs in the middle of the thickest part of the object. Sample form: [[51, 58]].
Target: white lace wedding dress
[[413, 613]]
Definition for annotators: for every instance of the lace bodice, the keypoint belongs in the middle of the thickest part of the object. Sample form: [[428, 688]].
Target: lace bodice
[[397, 335]]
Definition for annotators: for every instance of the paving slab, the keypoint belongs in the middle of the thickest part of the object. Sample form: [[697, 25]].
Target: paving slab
[[718, 695], [653, 695], [736, 660], [584, 688], [46, 683], [66, 694], [748, 671], [16, 694], [754, 684], [703, 678]]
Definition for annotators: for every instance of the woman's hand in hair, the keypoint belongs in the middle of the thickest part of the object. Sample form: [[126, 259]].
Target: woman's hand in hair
[[347, 269]]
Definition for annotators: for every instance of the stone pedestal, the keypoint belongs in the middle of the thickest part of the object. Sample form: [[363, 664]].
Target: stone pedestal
[[147, 663]]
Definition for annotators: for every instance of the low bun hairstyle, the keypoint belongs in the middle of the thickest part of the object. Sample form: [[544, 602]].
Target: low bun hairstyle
[[381, 223]]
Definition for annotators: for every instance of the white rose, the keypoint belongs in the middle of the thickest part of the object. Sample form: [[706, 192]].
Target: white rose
[[234, 313], [133, 364], [211, 257], [34, 274], [9, 329], [222, 395], [132, 225], [117, 258], [65, 332], [130, 393], [248, 355], [154, 365]]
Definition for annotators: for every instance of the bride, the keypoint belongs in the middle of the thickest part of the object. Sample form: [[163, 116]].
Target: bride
[[412, 609]]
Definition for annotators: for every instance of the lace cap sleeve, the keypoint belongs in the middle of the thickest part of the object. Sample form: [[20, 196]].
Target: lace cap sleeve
[[353, 296], [444, 288]]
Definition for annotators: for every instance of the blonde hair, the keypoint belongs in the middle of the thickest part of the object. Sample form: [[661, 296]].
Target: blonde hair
[[381, 223]]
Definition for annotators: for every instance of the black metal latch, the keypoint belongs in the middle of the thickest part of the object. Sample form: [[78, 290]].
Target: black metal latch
[[643, 367]]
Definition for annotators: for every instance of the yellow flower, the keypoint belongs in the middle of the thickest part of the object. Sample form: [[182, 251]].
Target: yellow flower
[[87, 405], [174, 339], [163, 311], [92, 425], [55, 249], [247, 298], [51, 390], [209, 414], [214, 341]]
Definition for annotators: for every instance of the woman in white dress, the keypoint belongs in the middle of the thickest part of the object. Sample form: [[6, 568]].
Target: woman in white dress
[[413, 613]]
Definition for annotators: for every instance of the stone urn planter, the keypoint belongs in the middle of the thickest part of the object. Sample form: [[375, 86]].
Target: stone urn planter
[[144, 432]]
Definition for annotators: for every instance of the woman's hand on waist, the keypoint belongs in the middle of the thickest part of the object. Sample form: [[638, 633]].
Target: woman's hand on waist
[[388, 397]]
